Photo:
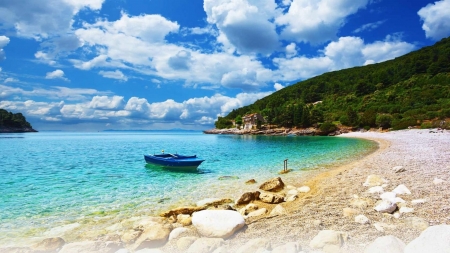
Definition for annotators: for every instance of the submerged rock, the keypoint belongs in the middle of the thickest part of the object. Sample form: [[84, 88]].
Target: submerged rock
[[251, 181], [49, 245]]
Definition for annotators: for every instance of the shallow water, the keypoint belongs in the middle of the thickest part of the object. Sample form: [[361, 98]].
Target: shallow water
[[88, 181]]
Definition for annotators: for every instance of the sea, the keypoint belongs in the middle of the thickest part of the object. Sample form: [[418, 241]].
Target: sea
[[81, 185]]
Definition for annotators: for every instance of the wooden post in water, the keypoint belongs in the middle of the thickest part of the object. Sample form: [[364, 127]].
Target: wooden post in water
[[285, 165]]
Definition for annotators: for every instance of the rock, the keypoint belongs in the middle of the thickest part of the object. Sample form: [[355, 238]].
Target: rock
[[272, 185], [205, 245], [213, 202], [271, 198], [251, 181], [398, 169], [254, 245], [290, 247], [130, 236], [374, 180], [401, 189], [361, 219], [153, 236], [385, 206], [386, 244], [185, 242], [290, 187], [418, 201], [317, 223], [304, 189], [417, 223], [361, 203], [247, 198], [182, 210], [397, 215], [89, 246], [278, 210], [258, 212], [388, 196], [184, 219], [438, 181], [405, 209], [49, 245], [433, 239], [348, 212], [376, 189], [248, 209], [217, 223], [176, 233], [329, 240]]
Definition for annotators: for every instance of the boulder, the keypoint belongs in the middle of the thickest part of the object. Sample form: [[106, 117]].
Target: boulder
[[205, 245], [251, 181], [290, 247], [257, 213], [362, 219], [374, 180], [329, 240], [401, 189], [272, 185], [416, 223], [213, 202], [90, 246], [433, 239], [385, 206], [247, 198], [49, 245], [176, 233], [398, 169], [271, 198], [254, 245], [304, 189], [386, 244], [348, 212], [153, 236], [185, 242], [182, 210], [217, 223], [278, 210]]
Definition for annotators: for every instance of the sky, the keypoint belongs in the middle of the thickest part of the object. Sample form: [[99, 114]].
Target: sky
[[91, 65]]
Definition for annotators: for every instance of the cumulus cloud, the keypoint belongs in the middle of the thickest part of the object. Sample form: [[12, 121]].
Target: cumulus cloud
[[278, 86], [57, 74], [107, 103], [117, 74], [55, 92], [436, 19], [291, 50], [180, 61], [245, 23], [316, 21], [3, 42]]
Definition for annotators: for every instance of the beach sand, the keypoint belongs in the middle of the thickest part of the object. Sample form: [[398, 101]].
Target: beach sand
[[424, 154]]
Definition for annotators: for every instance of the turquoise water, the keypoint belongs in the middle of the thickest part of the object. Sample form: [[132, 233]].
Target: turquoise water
[[50, 180]]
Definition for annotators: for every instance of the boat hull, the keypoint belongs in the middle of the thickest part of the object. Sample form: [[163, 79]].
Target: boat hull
[[175, 162]]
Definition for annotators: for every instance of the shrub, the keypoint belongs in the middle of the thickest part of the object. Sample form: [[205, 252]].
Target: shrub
[[426, 125], [328, 127], [384, 120]]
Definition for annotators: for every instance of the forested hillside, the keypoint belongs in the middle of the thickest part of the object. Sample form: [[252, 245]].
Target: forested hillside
[[14, 122], [411, 90]]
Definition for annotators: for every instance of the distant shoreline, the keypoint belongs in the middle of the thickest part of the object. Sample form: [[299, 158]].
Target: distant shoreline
[[17, 130], [311, 131]]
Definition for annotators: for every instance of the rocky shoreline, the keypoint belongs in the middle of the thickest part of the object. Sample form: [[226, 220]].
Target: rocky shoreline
[[311, 131], [17, 130], [394, 200]]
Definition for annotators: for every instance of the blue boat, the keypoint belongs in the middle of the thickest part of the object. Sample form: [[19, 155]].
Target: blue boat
[[174, 161]]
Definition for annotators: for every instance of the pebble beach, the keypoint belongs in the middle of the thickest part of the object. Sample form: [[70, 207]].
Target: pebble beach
[[395, 193]]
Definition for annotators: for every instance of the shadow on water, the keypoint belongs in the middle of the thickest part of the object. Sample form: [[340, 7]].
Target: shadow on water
[[159, 169]]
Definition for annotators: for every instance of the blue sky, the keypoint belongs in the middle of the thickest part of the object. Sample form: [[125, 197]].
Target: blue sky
[[89, 65]]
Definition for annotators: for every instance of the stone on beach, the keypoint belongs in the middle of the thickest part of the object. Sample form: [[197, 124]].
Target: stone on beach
[[185, 242], [348, 212], [271, 198], [205, 245], [418, 201], [376, 189], [49, 245], [176, 233], [182, 210], [329, 240], [374, 180], [291, 195], [257, 213], [248, 209], [154, 235], [385, 206], [254, 245], [184, 219], [213, 202], [304, 189], [405, 209], [130, 236], [438, 181], [401, 189], [272, 185], [278, 210], [398, 169], [386, 244], [217, 223], [433, 239], [362, 219], [248, 197]]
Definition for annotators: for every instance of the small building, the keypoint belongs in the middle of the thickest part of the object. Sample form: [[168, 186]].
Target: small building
[[250, 121]]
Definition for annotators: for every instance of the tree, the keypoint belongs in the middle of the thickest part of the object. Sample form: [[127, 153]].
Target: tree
[[222, 123], [384, 120], [238, 121]]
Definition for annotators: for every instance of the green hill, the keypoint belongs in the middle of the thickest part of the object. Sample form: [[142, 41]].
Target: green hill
[[410, 90], [14, 123]]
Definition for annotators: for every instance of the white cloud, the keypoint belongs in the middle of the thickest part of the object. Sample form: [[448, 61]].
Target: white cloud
[[117, 74], [291, 50], [245, 23], [3, 42], [57, 74], [11, 80], [317, 21], [55, 92], [436, 19], [278, 86], [388, 49], [107, 103], [369, 27]]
